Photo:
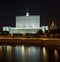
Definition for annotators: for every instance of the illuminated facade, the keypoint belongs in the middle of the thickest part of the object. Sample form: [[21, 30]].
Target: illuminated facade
[[26, 24], [43, 28], [53, 26]]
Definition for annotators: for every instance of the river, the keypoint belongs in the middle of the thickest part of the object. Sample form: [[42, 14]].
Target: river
[[31, 53]]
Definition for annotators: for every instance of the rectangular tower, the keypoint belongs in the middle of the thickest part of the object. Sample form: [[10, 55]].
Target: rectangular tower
[[28, 21]]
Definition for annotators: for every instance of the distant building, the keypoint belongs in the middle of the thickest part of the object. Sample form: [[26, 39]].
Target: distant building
[[53, 26], [43, 28], [5, 28], [26, 24]]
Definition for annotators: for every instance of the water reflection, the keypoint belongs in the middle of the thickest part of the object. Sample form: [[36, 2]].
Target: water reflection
[[56, 54], [9, 53], [22, 53], [45, 54], [0, 50], [29, 51], [9, 50], [17, 54]]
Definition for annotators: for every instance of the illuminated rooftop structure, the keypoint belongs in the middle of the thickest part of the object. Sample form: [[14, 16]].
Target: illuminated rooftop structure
[[27, 13], [53, 26]]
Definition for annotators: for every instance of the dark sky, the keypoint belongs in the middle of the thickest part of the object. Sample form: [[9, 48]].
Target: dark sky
[[47, 9]]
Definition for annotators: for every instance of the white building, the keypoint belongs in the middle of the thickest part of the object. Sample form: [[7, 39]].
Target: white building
[[5, 28], [43, 28], [26, 24]]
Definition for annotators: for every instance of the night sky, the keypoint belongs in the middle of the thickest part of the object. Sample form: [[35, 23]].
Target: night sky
[[47, 9]]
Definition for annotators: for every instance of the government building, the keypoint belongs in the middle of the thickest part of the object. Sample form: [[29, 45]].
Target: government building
[[26, 24]]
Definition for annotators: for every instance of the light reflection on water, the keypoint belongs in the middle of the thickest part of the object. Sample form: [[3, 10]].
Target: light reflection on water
[[0, 51], [45, 54], [56, 54], [9, 53], [23, 53], [29, 51]]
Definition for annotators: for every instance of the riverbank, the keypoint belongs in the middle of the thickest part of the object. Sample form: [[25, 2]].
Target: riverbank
[[28, 41]]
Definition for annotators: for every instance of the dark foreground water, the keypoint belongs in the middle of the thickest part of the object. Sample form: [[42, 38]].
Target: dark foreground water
[[23, 53]]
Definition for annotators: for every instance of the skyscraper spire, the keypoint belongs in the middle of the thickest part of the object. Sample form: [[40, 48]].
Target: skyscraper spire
[[27, 13]]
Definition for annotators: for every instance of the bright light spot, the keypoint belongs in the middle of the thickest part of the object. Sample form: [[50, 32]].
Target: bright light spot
[[27, 13], [56, 54], [0, 50], [44, 54], [9, 49], [23, 51], [44, 50], [9, 52]]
